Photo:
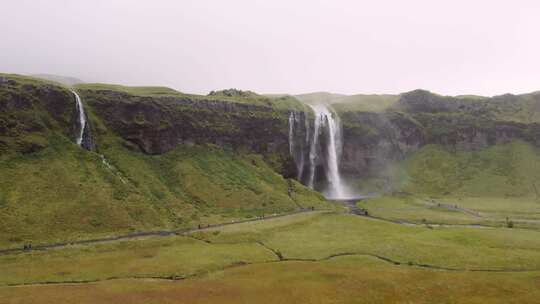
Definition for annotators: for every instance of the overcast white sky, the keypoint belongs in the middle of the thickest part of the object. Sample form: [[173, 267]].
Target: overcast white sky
[[276, 46]]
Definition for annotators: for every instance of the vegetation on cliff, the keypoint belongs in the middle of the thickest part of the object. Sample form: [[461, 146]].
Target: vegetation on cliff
[[52, 189]]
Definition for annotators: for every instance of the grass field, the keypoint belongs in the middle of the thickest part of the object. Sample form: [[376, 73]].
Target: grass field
[[415, 210], [325, 257], [354, 279], [523, 212]]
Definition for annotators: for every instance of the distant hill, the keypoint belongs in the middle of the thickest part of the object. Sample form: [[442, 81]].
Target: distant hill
[[57, 78], [357, 102], [320, 97]]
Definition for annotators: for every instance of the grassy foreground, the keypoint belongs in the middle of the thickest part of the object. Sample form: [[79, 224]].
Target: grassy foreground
[[304, 258], [340, 280]]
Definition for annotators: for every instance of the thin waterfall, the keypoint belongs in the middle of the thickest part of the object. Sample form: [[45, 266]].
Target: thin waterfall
[[296, 147], [291, 133], [82, 118]]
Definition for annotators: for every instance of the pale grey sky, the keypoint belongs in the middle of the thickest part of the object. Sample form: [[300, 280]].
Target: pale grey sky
[[276, 46]]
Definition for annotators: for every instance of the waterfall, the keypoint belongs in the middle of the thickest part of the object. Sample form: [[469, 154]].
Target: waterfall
[[111, 168], [82, 118], [325, 148], [296, 148], [313, 149], [325, 119], [291, 133]]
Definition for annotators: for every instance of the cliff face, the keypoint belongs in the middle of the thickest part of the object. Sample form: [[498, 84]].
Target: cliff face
[[373, 140], [156, 125], [30, 111], [145, 171]]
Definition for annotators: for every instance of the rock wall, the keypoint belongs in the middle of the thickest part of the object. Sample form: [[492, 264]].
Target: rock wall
[[374, 140], [30, 112], [371, 140], [156, 125]]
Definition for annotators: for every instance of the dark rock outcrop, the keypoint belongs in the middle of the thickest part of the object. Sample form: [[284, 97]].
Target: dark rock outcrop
[[372, 141], [156, 125], [30, 111]]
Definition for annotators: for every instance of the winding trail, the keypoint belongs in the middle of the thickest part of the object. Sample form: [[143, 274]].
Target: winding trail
[[454, 207], [352, 208], [155, 233], [350, 205]]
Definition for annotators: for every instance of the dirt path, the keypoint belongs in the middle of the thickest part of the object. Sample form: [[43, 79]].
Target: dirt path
[[454, 207], [351, 206]]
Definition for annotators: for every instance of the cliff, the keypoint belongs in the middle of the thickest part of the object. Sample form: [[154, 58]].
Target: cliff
[[155, 124], [159, 159], [377, 140]]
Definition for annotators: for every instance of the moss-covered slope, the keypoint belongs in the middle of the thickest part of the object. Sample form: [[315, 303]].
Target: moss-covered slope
[[509, 170]]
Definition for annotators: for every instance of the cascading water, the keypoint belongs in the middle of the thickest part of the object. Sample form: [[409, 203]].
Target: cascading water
[[296, 149], [325, 119], [87, 142], [325, 147], [82, 118]]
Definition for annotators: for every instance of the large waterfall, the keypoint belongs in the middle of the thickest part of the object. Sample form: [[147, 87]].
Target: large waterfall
[[82, 118], [324, 140]]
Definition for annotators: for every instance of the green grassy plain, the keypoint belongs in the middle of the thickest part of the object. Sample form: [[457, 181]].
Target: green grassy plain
[[354, 279], [314, 236], [333, 257], [484, 211], [415, 210]]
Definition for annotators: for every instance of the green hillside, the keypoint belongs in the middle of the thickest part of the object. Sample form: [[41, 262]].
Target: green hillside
[[51, 189], [510, 170], [493, 187]]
